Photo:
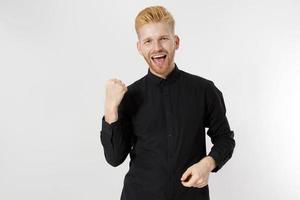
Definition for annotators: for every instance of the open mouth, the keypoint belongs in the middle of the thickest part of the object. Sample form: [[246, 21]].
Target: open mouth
[[159, 59]]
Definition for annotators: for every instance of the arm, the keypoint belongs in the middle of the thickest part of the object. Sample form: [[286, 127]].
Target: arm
[[219, 130], [116, 132]]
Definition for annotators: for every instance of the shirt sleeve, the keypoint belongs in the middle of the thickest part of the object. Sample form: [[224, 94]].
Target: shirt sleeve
[[116, 137], [218, 127]]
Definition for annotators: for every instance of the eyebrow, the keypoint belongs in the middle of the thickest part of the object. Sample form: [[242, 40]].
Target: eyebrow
[[148, 38]]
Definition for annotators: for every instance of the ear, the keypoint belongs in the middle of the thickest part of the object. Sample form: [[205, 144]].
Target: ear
[[138, 46], [177, 41]]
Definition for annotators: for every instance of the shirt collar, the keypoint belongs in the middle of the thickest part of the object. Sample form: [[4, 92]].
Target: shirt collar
[[158, 80]]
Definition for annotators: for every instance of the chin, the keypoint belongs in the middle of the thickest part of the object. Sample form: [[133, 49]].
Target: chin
[[160, 70]]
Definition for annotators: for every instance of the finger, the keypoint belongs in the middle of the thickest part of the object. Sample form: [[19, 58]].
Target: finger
[[185, 174], [192, 182], [200, 181], [185, 182], [202, 185], [115, 80]]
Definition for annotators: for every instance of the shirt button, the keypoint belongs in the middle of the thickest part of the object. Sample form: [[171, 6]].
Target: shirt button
[[165, 92]]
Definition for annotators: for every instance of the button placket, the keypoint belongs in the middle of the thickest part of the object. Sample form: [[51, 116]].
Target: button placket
[[169, 134]]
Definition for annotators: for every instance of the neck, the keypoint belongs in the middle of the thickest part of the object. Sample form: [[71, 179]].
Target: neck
[[166, 74]]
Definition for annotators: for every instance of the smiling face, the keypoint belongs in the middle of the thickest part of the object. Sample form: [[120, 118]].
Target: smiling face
[[157, 44]]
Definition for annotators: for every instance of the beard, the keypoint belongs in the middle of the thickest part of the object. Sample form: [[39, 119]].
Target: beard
[[163, 69]]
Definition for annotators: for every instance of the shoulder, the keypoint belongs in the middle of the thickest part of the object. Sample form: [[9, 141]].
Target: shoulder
[[206, 88], [196, 81], [136, 85], [134, 89]]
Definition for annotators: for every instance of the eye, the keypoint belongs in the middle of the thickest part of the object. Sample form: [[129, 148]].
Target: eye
[[164, 38], [147, 41]]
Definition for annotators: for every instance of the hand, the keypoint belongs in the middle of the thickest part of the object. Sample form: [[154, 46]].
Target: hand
[[115, 90], [197, 175]]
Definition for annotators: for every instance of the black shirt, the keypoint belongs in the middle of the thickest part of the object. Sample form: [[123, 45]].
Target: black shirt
[[161, 125]]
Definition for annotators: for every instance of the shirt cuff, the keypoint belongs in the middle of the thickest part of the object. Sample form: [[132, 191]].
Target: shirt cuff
[[217, 159], [107, 128]]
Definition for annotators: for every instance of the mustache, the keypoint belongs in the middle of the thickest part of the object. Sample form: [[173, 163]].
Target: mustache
[[158, 52]]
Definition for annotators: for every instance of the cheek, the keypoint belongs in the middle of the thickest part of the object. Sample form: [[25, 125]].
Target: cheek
[[144, 52], [170, 47]]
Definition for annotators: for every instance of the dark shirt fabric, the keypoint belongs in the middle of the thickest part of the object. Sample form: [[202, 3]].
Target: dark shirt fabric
[[161, 125]]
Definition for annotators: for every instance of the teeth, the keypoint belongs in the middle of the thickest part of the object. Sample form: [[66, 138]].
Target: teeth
[[158, 56]]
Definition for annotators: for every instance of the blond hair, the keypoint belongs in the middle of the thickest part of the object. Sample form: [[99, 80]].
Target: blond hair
[[154, 14]]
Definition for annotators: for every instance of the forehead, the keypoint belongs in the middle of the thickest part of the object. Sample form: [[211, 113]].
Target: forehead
[[154, 30]]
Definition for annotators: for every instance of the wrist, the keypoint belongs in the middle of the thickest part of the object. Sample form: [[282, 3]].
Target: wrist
[[110, 115], [211, 163]]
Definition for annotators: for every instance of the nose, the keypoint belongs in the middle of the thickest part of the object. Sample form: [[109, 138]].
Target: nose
[[157, 46]]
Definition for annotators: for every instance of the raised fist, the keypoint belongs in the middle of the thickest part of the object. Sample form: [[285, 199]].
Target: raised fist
[[115, 90]]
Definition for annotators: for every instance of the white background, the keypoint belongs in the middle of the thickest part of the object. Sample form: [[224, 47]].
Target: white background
[[55, 57]]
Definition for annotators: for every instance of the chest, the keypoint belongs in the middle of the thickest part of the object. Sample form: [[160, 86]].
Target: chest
[[170, 108]]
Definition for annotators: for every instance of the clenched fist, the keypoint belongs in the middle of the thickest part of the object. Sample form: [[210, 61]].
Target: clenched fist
[[197, 175], [115, 90]]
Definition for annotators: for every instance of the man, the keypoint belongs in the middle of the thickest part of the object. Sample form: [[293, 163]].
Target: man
[[160, 121]]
